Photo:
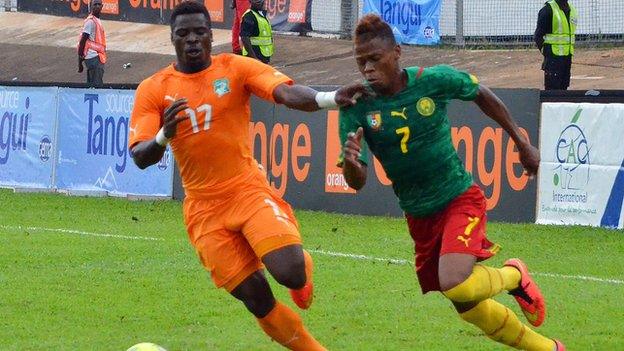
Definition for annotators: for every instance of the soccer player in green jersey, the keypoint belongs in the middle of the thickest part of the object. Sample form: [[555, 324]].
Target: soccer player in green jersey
[[407, 128]]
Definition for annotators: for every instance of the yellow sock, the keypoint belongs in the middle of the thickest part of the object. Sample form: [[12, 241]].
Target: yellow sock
[[502, 325], [483, 283], [286, 327]]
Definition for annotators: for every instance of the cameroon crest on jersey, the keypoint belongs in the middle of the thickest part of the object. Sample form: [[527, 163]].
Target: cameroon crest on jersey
[[374, 120], [426, 106]]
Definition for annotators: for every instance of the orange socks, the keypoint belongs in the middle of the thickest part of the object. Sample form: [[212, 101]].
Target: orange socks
[[286, 327]]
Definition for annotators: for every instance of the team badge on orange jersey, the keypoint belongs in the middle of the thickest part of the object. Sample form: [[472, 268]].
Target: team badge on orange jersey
[[221, 86], [426, 106], [374, 120]]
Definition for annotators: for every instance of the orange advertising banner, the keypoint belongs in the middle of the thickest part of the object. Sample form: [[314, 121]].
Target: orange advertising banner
[[297, 11], [110, 7], [334, 180], [215, 8]]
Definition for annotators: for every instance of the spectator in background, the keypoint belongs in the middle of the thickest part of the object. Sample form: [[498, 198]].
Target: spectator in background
[[554, 36], [256, 33], [92, 46], [239, 7]]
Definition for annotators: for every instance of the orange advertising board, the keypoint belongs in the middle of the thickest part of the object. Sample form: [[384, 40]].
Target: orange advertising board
[[110, 7], [215, 8]]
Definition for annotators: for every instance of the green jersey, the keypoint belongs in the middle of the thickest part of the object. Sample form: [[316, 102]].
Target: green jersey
[[410, 134]]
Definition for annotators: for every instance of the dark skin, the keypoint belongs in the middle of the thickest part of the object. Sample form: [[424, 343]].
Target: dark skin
[[378, 61], [191, 36], [96, 10], [256, 5]]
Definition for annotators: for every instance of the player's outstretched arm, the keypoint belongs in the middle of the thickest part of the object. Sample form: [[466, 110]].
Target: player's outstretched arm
[[353, 170], [492, 106], [149, 152], [304, 98]]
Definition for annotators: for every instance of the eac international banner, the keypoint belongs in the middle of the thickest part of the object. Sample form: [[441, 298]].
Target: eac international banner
[[93, 146], [412, 21], [582, 164], [27, 125]]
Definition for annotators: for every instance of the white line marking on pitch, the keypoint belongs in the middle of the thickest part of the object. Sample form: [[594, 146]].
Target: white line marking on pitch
[[396, 261], [79, 232], [409, 263]]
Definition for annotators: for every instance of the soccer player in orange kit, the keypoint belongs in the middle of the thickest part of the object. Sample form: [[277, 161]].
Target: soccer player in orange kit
[[236, 222]]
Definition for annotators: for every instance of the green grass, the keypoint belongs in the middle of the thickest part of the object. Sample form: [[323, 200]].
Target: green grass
[[69, 291]]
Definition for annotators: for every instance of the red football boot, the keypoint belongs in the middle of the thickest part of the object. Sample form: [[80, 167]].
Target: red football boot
[[528, 294], [303, 297]]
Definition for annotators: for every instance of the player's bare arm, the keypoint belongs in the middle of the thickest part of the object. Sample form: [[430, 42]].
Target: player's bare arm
[[304, 98], [353, 169], [492, 106], [149, 152]]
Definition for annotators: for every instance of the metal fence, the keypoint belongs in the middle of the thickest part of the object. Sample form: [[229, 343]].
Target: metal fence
[[8, 5], [472, 22], [487, 22]]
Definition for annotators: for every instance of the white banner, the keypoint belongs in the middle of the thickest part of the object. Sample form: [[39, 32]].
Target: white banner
[[581, 178]]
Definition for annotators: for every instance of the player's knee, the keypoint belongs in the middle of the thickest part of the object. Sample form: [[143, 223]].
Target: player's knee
[[291, 275]]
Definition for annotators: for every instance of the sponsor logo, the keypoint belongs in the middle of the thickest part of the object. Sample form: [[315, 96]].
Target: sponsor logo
[[400, 114], [13, 126], [297, 11], [425, 106], [573, 154], [108, 135], [334, 179], [374, 120], [221, 86], [429, 32], [165, 161], [402, 14], [572, 174], [45, 148]]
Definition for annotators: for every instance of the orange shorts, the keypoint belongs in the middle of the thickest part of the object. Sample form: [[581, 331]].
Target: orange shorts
[[231, 235]]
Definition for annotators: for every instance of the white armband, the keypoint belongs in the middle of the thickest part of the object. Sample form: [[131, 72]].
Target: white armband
[[161, 139], [326, 99]]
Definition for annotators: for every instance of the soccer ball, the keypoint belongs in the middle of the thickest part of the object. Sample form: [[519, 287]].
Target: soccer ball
[[146, 346]]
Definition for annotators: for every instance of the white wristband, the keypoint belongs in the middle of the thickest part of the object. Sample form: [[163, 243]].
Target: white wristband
[[325, 99], [161, 139]]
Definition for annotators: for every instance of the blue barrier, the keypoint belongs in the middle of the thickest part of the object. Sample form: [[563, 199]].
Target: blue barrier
[[27, 136], [74, 140], [93, 146]]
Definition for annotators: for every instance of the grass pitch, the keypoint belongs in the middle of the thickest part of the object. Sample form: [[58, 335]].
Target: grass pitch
[[104, 274]]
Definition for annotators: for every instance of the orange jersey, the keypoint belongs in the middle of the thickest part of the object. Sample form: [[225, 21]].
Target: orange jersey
[[212, 148]]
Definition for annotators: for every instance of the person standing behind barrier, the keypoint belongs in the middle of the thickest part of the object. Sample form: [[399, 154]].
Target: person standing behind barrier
[[92, 46], [256, 33], [239, 7], [555, 37]]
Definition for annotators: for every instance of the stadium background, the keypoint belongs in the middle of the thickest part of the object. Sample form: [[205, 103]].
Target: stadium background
[[83, 273]]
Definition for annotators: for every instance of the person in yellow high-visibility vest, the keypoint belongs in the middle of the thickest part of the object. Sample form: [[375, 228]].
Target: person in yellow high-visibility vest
[[555, 37], [256, 34]]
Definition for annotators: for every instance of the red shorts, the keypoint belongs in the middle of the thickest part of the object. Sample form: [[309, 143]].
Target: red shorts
[[458, 228]]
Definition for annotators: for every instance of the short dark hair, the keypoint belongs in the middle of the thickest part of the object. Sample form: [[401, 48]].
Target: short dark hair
[[372, 26], [189, 7]]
